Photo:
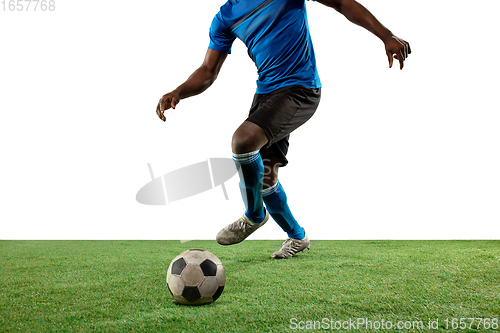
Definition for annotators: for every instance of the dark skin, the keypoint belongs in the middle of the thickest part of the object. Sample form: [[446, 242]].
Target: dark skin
[[249, 136], [395, 47]]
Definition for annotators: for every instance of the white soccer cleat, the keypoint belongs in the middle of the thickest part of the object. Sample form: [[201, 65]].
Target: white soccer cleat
[[238, 231], [292, 246]]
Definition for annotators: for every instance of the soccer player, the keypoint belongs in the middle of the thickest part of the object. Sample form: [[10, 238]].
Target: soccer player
[[276, 34]]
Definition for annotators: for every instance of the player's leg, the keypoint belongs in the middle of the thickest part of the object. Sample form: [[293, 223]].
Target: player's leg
[[272, 118], [248, 139], [271, 168], [275, 199], [246, 143], [288, 109]]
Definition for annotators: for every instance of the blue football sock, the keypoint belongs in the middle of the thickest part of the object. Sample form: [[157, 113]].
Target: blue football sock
[[251, 170], [276, 204]]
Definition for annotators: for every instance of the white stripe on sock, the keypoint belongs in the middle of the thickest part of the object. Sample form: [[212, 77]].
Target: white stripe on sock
[[237, 156], [270, 190], [246, 158]]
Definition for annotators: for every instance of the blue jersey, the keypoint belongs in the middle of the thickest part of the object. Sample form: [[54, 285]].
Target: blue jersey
[[276, 34]]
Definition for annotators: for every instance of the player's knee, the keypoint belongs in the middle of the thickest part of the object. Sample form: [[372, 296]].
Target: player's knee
[[238, 143], [248, 137], [244, 143]]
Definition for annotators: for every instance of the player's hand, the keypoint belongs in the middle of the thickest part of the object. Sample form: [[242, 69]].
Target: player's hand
[[398, 49], [168, 101]]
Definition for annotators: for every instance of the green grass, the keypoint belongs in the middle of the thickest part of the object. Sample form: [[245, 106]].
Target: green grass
[[120, 285]]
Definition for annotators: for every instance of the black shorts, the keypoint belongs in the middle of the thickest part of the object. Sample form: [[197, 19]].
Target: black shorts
[[281, 112]]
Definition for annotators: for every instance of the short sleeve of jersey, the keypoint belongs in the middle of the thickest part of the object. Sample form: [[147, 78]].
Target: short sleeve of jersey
[[220, 38]]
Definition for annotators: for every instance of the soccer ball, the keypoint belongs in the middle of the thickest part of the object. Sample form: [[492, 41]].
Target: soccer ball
[[196, 277]]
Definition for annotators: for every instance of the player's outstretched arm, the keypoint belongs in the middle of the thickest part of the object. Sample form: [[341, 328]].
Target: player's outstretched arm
[[198, 82], [394, 47]]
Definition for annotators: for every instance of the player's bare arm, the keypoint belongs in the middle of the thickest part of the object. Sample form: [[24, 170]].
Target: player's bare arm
[[198, 82], [396, 48]]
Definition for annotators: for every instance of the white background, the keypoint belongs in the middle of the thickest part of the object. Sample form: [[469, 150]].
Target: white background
[[390, 154]]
